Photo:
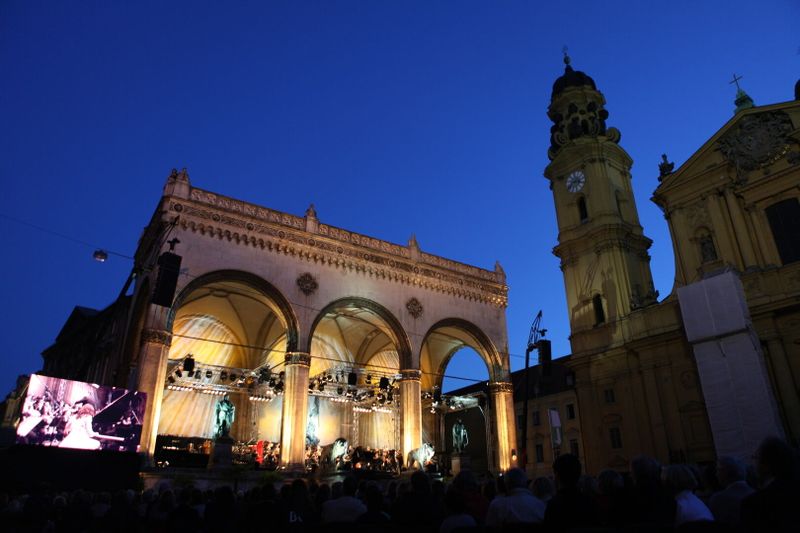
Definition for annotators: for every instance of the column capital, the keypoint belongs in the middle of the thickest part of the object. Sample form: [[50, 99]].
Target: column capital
[[496, 387], [157, 336], [298, 358], [410, 374]]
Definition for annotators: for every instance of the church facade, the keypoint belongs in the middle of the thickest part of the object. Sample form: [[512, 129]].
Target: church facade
[[677, 378]]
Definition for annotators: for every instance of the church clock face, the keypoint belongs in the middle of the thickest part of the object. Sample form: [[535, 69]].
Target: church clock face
[[575, 181]]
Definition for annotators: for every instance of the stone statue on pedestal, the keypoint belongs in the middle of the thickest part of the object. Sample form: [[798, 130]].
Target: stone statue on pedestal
[[460, 436], [223, 417]]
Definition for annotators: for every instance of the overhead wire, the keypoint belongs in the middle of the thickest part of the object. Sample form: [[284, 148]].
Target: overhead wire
[[240, 287]]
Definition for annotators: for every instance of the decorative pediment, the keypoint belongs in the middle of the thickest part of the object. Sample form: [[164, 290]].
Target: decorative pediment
[[750, 141], [757, 141]]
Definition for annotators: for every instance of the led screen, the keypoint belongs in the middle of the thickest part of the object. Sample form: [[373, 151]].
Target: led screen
[[85, 416]]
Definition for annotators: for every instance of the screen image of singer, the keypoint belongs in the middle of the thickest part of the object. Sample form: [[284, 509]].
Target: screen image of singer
[[73, 414]]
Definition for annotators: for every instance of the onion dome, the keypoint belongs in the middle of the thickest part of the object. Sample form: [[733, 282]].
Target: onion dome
[[571, 78]]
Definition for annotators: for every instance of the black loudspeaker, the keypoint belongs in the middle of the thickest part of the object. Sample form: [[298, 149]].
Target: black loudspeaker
[[384, 383], [169, 266], [545, 356], [352, 378], [188, 364]]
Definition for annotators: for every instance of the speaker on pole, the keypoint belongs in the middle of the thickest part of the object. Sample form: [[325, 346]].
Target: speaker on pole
[[169, 266]]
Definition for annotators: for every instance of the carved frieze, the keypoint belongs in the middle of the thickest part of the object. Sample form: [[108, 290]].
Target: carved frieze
[[157, 336], [410, 374], [757, 141], [297, 358], [497, 387], [414, 308], [443, 275]]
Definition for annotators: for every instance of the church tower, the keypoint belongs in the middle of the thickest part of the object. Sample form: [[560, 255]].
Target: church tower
[[601, 245]]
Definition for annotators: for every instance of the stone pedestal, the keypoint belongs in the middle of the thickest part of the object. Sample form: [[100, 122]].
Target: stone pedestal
[[459, 462], [221, 453]]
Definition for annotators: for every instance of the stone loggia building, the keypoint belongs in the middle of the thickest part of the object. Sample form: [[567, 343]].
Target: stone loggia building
[[314, 332]]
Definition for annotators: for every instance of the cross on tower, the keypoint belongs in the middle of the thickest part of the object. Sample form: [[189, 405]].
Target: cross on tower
[[736, 81]]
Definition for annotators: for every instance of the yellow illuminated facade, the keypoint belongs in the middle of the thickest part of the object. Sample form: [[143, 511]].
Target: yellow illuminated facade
[[636, 375]]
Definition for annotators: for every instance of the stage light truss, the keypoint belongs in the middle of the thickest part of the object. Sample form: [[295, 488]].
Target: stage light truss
[[259, 383], [368, 388]]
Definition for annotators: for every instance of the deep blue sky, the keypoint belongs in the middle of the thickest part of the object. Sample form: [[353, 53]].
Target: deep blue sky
[[392, 117]]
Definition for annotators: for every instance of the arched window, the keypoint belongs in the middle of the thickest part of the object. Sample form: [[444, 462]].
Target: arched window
[[599, 313], [784, 220], [582, 212]]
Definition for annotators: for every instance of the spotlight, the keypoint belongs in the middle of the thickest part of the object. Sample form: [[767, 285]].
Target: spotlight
[[171, 380], [233, 377], [369, 379], [100, 256], [209, 374], [197, 374], [339, 390], [321, 385], [223, 374], [178, 372]]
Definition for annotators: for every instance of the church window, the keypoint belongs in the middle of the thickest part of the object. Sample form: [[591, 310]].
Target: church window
[[537, 421], [708, 251], [616, 438], [599, 313], [571, 411], [609, 396], [539, 453], [582, 212], [784, 220]]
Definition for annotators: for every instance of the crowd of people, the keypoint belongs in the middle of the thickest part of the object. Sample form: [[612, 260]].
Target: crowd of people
[[726, 496]]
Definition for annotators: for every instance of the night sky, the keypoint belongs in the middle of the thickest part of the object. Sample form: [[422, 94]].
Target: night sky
[[393, 118]]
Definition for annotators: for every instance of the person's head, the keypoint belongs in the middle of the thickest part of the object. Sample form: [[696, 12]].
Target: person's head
[[587, 485], [516, 479], [349, 486], [567, 470], [454, 501], [679, 478], [645, 471], [420, 482], [775, 459], [465, 481], [609, 482], [543, 488], [730, 470], [374, 498]]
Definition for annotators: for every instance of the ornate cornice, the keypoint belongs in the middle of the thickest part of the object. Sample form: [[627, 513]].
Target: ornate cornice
[[410, 374], [246, 224], [497, 387], [157, 336], [298, 358]]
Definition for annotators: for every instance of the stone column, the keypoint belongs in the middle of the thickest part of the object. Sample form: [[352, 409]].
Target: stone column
[[151, 373], [411, 407], [295, 410], [505, 429]]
